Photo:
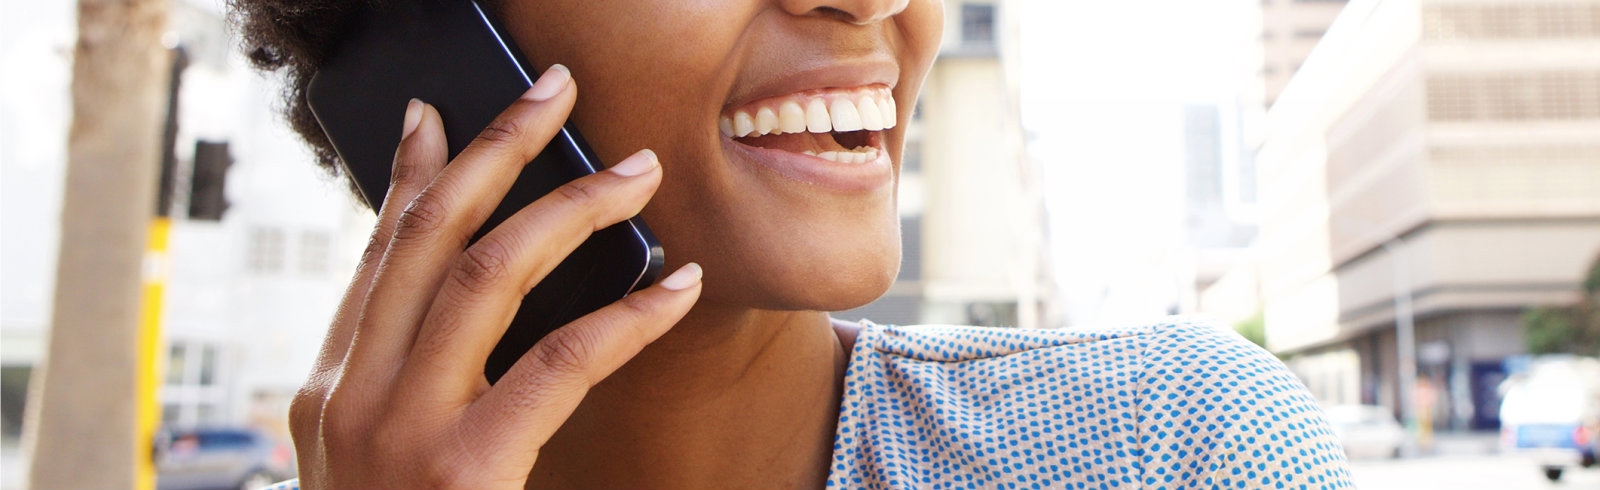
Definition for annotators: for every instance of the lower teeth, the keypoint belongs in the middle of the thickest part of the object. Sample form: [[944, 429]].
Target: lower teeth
[[859, 155]]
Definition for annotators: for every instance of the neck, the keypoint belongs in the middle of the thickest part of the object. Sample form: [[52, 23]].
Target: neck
[[727, 399]]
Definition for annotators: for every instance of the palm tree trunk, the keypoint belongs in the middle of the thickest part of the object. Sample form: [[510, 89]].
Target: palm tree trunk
[[83, 417]]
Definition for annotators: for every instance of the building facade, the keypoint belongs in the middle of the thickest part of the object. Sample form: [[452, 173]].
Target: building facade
[[971, 210], [1448, 150], [1289, 31]]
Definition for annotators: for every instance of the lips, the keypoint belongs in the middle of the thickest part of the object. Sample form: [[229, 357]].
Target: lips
[[818, 135]]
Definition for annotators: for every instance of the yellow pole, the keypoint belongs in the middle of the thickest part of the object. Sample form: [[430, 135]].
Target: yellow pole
[[148, 405]]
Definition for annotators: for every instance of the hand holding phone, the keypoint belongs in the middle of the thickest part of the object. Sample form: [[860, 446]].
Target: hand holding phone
[[453, 55], [399, 385]]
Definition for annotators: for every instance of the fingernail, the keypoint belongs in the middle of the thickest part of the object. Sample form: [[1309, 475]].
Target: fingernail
[[553, 82], [686, 277], [413, 117], [637, 164]]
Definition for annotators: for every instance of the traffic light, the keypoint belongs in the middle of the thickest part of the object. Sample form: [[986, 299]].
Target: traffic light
[[207, 201]]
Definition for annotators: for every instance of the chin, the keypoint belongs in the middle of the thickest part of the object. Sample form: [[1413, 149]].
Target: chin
[[809, 271], [845, 289]]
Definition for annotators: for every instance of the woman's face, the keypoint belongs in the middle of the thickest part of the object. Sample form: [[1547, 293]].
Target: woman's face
[[768, 116]]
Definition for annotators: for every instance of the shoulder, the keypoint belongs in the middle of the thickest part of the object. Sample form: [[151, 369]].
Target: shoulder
[[1173, 339], [1179, 403]]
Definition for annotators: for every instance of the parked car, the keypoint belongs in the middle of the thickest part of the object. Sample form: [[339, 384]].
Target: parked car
[[1552, 412], [1366, 431], [220, 458]]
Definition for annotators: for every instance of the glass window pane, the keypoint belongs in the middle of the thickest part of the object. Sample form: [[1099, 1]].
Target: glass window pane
[[977, 24], [175, 364], [208, 365]]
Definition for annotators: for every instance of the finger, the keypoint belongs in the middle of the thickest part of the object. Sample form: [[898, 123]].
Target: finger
[[485, 287], [417, 161], [408, 177], [433, 228], [518, 414]]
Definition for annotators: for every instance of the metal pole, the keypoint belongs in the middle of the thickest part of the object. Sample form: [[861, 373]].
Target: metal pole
[[1404, 335]]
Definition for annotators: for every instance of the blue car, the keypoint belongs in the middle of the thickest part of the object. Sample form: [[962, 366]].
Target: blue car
[[217, 459]]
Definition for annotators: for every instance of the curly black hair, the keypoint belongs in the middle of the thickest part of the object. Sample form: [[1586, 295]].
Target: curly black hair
[[292, 38]]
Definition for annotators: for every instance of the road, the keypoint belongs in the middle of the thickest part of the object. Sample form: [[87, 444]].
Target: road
[[1466, 472]]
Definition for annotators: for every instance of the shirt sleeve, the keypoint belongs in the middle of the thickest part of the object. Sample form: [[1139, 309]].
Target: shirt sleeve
[[285, 485], [1217, 411]]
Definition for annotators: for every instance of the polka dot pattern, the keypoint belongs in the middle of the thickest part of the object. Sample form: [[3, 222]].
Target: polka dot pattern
[[1182, 404]]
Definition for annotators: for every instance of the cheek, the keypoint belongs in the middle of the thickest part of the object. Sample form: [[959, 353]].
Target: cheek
[[655, 84], [645, 69]]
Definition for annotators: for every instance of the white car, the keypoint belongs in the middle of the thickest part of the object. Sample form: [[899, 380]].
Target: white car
[[1551, 412], [1366, 431]]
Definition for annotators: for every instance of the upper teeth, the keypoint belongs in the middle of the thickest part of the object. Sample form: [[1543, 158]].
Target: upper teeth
[[818, 114]]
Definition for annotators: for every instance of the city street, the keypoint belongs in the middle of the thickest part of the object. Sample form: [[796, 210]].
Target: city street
[[1466, 472]]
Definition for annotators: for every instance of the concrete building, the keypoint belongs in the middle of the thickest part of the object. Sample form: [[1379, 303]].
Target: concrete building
[[248, 297], [972, 224], [1445, 149], [1289, 30]]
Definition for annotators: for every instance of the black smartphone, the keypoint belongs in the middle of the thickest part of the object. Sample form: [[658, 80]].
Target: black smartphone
[[454, 55]]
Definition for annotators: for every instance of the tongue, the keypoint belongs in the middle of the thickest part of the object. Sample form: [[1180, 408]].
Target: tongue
[[795, 142]]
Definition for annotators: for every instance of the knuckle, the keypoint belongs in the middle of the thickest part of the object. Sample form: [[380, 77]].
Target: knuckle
[[339, 420], [373, 253], [565, 351], [638, 313], [406, 174], [424, 217], [637, 305], [503, 131], [305, 412], [482, 266], [579, 193]]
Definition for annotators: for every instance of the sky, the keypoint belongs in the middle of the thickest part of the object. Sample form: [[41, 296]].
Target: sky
[[1103, 89]]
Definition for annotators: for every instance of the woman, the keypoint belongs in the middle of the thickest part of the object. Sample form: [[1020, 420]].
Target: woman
[[774, 143]]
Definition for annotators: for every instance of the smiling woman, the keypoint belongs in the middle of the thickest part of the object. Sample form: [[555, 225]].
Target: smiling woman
[[774, 147]]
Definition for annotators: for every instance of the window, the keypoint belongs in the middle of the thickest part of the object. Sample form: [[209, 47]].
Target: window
[[13, 397], [990, 314], [176, 365], [1531, 20], [911, 159], [977, 24], [910, 248], [208, 365], [195, 391], [265, 250], [1309, 33], [314, 251], [1518, 96]]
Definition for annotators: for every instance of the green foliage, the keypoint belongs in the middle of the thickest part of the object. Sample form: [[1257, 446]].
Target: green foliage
[[1254, 330], [1549, 329], [1592, 281], [1571, 329]]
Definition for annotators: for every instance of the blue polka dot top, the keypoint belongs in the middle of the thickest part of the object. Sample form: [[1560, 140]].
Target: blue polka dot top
[[1177, 405], [1181, 404]]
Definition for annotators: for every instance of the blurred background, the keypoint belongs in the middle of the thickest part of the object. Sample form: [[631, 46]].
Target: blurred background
[[1400, 198]]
